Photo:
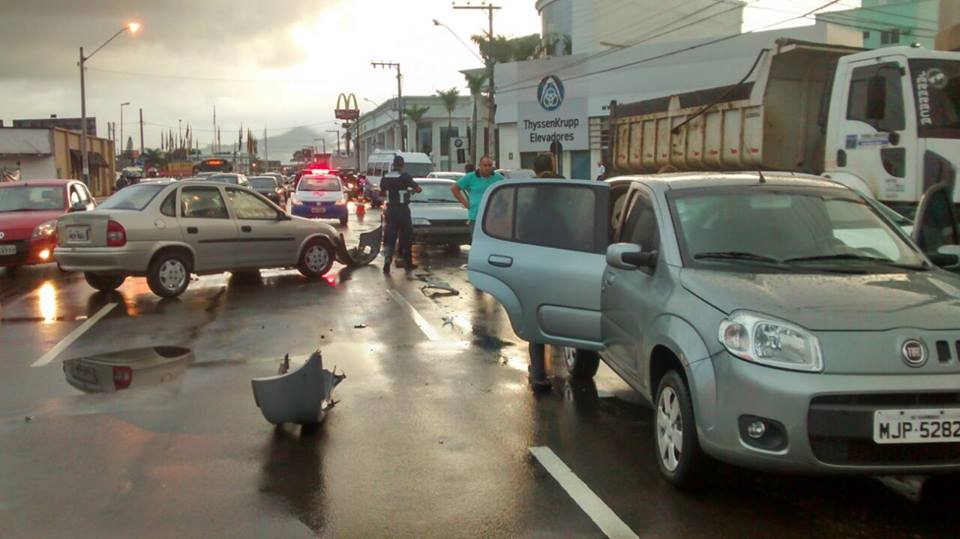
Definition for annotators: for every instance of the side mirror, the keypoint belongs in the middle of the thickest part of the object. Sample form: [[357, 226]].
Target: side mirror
[[943, 260], [630, 256]]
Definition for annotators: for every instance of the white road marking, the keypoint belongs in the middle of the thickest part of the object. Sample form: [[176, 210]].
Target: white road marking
[[73, 336], [604, 517], [426, 327]]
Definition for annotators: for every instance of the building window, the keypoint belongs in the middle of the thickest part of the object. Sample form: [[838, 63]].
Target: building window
[[890, 37], [866, 35], [425, 137]]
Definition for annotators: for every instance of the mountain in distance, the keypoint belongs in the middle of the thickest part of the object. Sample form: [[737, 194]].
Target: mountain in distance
[[280, 146]]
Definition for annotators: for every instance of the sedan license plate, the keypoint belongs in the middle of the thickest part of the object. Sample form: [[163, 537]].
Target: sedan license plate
[[78, 233], [318, 209], [8, 250], [934, 425]]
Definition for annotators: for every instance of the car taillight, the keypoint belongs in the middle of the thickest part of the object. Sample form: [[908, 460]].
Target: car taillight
[[116, 234], [122, 377]]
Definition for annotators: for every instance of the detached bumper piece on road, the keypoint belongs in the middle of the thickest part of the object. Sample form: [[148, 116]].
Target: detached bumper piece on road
[[303, 396], [364, 253]]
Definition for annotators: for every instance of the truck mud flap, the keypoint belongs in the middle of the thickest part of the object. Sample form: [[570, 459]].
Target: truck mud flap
[[364, 253]]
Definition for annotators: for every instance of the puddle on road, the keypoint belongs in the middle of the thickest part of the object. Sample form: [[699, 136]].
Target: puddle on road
[[127, 369]]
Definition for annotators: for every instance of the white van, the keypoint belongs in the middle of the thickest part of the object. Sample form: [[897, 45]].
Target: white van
[[416, 164]]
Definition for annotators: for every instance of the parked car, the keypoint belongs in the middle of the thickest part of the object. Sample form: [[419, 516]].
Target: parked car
[[774, 321], [232, 178], [28, 217], [443, 175], [319, 197], [516, 174], [168, 231], [438, 217], [269, 187]]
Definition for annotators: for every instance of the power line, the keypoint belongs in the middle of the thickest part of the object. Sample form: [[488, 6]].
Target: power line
[[205, 79], [664, 55]]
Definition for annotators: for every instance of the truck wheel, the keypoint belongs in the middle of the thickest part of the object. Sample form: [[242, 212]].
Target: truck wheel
[[104, 283], [582, 364], [316, 259], [169, 275], [679, 456]]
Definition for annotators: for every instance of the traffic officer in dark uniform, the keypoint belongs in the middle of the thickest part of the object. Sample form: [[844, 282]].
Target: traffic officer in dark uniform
[[397, 186]]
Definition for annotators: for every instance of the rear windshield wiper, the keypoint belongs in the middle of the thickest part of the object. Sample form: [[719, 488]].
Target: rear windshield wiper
[[737, 255], [851, 256]]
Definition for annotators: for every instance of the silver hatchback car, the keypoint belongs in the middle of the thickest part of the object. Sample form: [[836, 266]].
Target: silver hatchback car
[[168, 230], [776, 321]]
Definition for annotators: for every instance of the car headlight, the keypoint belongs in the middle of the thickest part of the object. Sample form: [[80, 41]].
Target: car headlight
[[770, 342], [45, 229], [420, 221]]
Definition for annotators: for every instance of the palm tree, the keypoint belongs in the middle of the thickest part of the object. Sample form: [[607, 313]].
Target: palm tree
[[449, 98], [416, 113], [475, 84], [153, 157]]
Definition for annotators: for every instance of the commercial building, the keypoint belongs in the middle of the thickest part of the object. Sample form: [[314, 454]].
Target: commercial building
[[380, 129], [887, 23], [948, 34], [561, 102], [34, 153], [72, 124]]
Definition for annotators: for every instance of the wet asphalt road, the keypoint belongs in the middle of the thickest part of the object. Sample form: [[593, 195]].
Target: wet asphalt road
[[430, 438]]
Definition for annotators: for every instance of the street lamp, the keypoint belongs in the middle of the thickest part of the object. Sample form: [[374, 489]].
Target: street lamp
[[84, 159], [124, 104], [462, 42]]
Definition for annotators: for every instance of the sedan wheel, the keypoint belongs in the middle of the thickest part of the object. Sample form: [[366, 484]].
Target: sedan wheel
[[580, 363], [679, 456], [169, 275], [316, 260]]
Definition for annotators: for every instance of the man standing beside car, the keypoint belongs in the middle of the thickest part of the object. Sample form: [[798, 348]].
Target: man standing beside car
[[470, 187], [396, 186]]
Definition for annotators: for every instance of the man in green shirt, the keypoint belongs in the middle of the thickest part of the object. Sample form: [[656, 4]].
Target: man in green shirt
[[469, 189]]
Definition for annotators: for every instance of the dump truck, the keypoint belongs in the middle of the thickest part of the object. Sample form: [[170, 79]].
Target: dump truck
[[885, 122]]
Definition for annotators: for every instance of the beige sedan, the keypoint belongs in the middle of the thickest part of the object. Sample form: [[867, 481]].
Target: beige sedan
[[167, 231]]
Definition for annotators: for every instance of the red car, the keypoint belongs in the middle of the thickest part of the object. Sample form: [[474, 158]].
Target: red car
[[28, 217]]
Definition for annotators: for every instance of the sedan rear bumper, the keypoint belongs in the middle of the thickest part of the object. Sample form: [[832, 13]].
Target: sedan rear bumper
[[128, 260]]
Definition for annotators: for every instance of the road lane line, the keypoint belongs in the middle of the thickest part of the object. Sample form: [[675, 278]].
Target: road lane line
[[426, 327], [73, 336], [604, 517]]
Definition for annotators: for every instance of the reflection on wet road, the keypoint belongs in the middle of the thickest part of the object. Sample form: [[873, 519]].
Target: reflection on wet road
[[145, 424]]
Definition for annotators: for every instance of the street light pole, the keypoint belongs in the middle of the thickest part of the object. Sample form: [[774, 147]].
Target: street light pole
[[84, 159], [121, 126], [492, 107], [403, 132]]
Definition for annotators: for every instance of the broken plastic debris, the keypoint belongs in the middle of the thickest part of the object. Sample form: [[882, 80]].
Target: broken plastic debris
[[302, 396], [434, 284]]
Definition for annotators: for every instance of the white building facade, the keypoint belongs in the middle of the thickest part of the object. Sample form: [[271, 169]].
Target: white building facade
[[380, 129], [565, 99]]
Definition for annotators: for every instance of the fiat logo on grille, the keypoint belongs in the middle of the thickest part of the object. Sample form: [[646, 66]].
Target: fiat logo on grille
[[914, 353]]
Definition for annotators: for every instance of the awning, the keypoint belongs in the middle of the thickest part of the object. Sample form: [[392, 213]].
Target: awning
[[95, 159]]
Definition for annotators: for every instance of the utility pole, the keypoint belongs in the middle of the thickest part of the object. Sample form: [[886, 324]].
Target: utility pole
[[266, 150], [124, 104], [492, 106], [141, 133], [403, 132], [179, 135]]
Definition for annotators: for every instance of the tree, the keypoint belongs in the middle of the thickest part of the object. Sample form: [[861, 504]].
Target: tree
[[415, 114], [475, 84], [449, 99], [504, 50], [153, 157], [556, 44]]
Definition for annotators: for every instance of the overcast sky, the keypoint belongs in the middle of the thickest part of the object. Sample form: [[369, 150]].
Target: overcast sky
[[277, 64]]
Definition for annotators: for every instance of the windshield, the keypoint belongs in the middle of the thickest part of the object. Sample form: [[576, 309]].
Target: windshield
[[222, 178], [319, 184], [418, 170], [804, 229], [31, 198], [263, 183], [435, 192], [936, 89], [135, 197]]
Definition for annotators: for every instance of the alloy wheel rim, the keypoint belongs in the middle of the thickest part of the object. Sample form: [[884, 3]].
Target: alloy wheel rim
[[570, 356], [317, 258], [669, 429], [172, 274]]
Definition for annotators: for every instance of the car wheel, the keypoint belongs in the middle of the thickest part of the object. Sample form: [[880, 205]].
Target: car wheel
[[679, 456], [316, 259], [582, 364], [169, 275], [104, 283]]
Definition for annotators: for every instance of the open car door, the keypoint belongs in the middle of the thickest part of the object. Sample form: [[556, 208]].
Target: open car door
[[539, 248], [935, 229]]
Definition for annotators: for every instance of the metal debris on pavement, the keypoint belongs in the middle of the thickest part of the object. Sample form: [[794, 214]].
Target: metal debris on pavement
[[302, 396]]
